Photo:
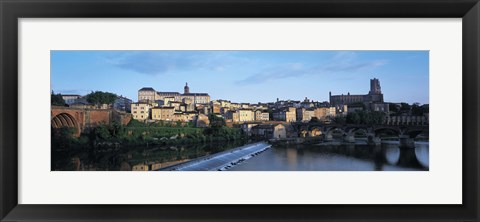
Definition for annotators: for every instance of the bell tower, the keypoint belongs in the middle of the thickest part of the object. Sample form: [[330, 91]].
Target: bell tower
[[375, 87], [186, 89]]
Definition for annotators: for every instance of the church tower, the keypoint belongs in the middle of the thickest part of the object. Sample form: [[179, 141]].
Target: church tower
[[186, 89], [375, 87]]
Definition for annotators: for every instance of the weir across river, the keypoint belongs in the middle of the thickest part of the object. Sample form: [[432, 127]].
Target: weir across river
[[221, 161]]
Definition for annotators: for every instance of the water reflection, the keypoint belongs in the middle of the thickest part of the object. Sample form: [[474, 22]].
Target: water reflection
[[351, 157], [133, 158]]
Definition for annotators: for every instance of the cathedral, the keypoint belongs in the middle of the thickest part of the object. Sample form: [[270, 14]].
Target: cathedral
[[374, 96]]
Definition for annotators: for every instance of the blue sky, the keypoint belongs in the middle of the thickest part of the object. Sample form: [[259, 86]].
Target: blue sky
[[244, 76]]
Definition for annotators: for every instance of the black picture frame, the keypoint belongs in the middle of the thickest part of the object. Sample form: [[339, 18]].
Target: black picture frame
[[12, 10]]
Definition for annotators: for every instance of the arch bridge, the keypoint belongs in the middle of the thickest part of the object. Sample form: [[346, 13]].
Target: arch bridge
[[83, 119], [405, 133]]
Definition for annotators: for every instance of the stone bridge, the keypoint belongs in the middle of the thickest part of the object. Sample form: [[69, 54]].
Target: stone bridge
[[83, 119], [405, 133]]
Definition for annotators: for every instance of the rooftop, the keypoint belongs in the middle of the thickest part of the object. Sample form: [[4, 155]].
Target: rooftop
[[146, 89]]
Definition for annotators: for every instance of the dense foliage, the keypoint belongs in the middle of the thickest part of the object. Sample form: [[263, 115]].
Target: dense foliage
[[404, 108], [57, 99], [363, 117], [216, 122], [138, 133], [99, 97]]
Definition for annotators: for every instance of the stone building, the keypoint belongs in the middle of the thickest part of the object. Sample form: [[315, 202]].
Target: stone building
[[374, 95], [269, 131], [123, 104], [233, 115], [201, 120], [165, 113], [246, 115], [148, 94], [305, 115], [288, 114], [70, 98], [322, 113], [261, 115], [141, 110], [407, 120]]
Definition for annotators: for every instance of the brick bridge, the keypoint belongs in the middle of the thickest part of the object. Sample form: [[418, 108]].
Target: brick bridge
[[83, 119], [405, 133]]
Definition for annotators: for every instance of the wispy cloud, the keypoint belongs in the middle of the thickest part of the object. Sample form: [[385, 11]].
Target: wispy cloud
[[162, 62], [73, 91], [340, 62]]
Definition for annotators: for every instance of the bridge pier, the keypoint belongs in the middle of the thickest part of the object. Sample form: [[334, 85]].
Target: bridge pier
[[374, 140], [406, 141], [328, 137], [350, 138]]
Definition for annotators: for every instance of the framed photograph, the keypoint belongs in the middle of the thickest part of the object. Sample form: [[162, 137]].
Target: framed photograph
[[258, 110]]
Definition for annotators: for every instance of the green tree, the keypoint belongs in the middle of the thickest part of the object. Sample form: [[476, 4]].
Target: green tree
[[393, 107], [339, 119], [353, 118], [377, 117], [358, 104], [405, 107], [99, 98], [57, 99], [216, 122]]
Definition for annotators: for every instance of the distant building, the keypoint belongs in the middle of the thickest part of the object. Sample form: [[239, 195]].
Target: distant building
[[269, 131], [247, 127], [233, 115], [286, 114], [407, 120], [122, 104], [201, 120], [148, 94], [165, 113], [305, 115], [70, 98], [380, 107], [374, 96], [141, 111], [246, 115], [261, 115], [322, 113], [341, 110]]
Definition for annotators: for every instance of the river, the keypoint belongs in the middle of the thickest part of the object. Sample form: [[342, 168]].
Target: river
[[340, 157], [324, 157]]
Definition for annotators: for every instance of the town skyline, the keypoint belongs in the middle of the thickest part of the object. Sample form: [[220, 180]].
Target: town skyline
[[244, 76]]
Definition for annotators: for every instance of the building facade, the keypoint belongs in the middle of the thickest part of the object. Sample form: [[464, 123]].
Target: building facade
[[70, 99], [246, 115], [148, 94], [141, 111], [374, 95], [269, 131], [287, 114], [261, 115], [165, 113]]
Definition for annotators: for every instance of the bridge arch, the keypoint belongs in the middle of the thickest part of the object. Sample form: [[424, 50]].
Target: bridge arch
[[329, 132], [65, 120], [394, 130], [316, 131], [413, 133]]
